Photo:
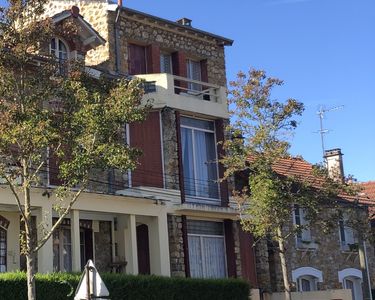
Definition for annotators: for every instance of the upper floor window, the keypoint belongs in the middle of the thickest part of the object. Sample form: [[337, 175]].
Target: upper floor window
[[166, 63], [304, 234], [60, 50], [348, 238], [199, 158], [194, 72]]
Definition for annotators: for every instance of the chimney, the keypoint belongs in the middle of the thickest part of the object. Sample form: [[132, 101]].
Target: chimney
[[119, 3], [185, 22], [334, 164]]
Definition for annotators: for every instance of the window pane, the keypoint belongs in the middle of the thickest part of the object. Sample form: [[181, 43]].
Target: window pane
[[166, 63], [197, 123], [306, 285], [187, 161], [205, 227], [195, 256], [214, 257]]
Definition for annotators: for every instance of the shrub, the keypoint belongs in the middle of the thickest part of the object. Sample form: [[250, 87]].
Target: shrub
[[62, 286]]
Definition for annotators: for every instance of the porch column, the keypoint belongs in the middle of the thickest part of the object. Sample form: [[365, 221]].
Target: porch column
[[45, 254], [75, 240], [159, 245], [131, 254]]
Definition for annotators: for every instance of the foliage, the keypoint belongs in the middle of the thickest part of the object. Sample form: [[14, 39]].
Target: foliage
[[12, 286]]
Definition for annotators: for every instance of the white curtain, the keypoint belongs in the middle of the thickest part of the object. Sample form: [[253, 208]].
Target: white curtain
[[214, 257], [188, 161], [201, 163], [195, 256]]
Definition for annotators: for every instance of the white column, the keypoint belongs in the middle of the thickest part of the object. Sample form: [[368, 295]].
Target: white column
[[131, 254], [159, 246], [75, 239], [45, 254]]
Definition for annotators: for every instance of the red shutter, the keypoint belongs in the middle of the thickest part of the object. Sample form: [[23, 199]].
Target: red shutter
[[204, 71], [136, 59], [219, 126], [146, 137], [54, 168], [248, 267], [229, 245], [179, 69], [153, 59]]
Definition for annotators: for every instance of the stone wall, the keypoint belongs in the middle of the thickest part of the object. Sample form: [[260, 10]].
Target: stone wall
[[237, 250], [170, 148], [103, 247], [176, 246], [327, 257]]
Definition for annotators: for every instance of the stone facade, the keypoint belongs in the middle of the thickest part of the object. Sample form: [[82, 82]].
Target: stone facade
[[237, 251], [176, 246], [103, 246], [328, 257]]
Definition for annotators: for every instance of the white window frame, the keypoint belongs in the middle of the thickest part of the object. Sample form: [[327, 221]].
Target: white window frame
[[349, 235], [193, 87], [356, 277], [57, 52], [308, 273], [304, 239], [203, 200], [60, 231]]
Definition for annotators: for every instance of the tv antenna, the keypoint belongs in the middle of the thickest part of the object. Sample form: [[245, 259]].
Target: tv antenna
[[321, 112]]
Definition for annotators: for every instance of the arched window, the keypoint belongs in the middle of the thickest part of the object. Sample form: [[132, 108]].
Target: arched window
[[59, 49], [307, 278], [352, 279], [3, 250]]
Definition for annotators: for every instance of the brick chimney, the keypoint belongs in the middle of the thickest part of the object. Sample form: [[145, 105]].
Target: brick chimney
[[184, 21], [334, 163]]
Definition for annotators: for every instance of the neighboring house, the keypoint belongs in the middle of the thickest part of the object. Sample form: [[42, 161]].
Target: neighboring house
[[316, 260], [170, 216]]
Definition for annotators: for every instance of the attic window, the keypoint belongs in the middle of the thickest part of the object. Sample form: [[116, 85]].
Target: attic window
[[185, 22], [59, 49]]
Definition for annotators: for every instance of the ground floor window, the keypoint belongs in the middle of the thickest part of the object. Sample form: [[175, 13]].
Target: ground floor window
[[206, 249], [3, 250], [307, 284], [307, 278], [354, 284], [62, 250]]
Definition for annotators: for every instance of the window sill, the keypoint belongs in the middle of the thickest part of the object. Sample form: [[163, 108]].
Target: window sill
[[307, 246]]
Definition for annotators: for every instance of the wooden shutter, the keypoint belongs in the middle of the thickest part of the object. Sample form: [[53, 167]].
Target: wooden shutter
[[153, 59], [229, 245], [179, 69], [136, 59], [146, 137], [247, 257]]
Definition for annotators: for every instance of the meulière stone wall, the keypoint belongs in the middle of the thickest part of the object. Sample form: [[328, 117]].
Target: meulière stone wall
[[327, 257], [139, 29], [176, 246]]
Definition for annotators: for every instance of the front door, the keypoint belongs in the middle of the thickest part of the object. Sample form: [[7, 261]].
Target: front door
[[143, 249]]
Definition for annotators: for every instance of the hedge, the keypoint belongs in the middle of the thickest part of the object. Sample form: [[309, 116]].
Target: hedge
[[62, 286]]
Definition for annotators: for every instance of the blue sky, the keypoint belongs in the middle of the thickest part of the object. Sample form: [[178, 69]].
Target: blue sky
[[324, 50]]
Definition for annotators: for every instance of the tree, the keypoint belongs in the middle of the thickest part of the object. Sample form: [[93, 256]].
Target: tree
[[260, 132], [44, 114]]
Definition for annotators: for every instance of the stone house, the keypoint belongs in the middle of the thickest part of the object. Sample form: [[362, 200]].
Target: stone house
[[170, 216], [316, 260]]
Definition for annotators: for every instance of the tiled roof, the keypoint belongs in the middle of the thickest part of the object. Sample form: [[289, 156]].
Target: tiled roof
[[369, 192], [301, 169]]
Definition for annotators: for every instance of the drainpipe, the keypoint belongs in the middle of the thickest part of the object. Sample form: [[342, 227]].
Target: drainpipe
[[368, 272], [117, 34]]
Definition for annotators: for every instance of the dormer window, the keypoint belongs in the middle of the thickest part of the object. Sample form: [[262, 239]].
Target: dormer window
[[59, 49]]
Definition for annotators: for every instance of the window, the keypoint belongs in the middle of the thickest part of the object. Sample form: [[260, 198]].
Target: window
[[62, 250], [194, 73], [307, 283], [348, 239], [199, 158], [352, 279], [307, 278], [3, 250], [165, 63], [137, 59], [59, 49], [206, 249], [304, 236]]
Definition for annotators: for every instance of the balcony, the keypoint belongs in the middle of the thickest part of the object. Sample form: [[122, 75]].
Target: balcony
[[186, 95]]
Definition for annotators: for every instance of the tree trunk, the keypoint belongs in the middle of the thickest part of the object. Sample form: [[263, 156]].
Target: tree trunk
[[284, 267], [30, 276]]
